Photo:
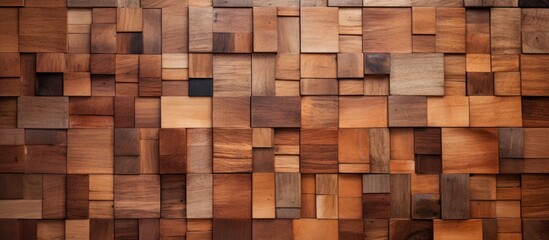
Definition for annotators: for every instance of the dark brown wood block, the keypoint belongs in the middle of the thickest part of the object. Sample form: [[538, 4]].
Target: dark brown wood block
[[173, 197], [511, 143], [428, 163], [455, 195], [129, 42], [49, 84], [263, 160], [124, 112], [126, 141], [535, 229], [11, 186], [411, 229], [43, 29], [534, 196], [102, 64], [318, 148], [173, 151], [126, 229], [275, 229], [407, 111], [427, 141], [103, 38], [480, 84], [377, 63], [400, 195], [150, 87], [380, 152], [351, 229], [78, 196], [534, 3], [46, 159], [425, 206], [103, 85], [232, 229], [535, 111], [232, 196], [54, 196], [28, 229], [270, 111], [101, 229], [10, 65], [9, 228], [149, 229], [12, 159], [376, 205], [127, 165], [376, 228]]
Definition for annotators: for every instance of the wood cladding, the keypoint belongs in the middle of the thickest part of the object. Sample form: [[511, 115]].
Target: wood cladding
[[274, 119]]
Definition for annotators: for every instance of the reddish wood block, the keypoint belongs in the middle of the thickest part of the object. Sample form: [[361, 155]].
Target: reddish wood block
[[152, 31], [54, 196], [90, 151], [173, 151], [103, 64], [126, 228], [387, 30], [10, 65], [144, 203], [450, 34], [103, 38], [277, 229], [376, 205], [124, 112], [77, 196], [405, 229], [91, 106], [232, 197], [50, 62], [534, 111], [232, 150], [232, 229], [173, 203], [9, 37], [101, 229], [319, 150], [43, 30], [270, 111]]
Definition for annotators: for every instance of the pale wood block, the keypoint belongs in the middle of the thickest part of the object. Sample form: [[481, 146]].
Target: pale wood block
[[263, 74], [286, 163], [175, 30], [200, 29], [362, 112], [482, 187], [262, 137], [319, 29], [186, 112], [101, 187], [481, 157], [457, 229], [130, 20], [199, 195], [318, 66], [232, 75], [327, 206], [288, 35], [388, 3], [417, 74], [488, 111], [200, 65], [448, 111], [287, 66], [90, 151], [349, 43], [478, 63], [175, 60], [77, 229], [350, 21], [265, 29], [263, 192], [21, 209]]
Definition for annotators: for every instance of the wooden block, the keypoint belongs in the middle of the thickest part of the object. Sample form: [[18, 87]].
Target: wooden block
[[350, 21], [450, 34], [277, 229], [533, 34], [43, 30], [483, 187], [127, 67], [387, 30], [152, 31], [455, 195], [232, 74], [199, 154], [315, 229], [13, 136], [126, 228], [129, 42], [353, 146], [104, 15], [263, 137], [376, 183], [22, 208], [265, 29], [376, 205], [534, 111], [507, 83], [200, 29], [231, 112], [49, 84], [287, 66], [263, 160], [269, 111], [319, 112], [457, 229], [173, 227], [505, 30], [535, 228], [532, 72], [173, 198], [199, 196], [91, 106], [318, 66], [449, 111], [377, 63], [348, 43], [407, 111], [263, 202], [77, 196], [315, 20], [400, 195], [351, 87], [124, 112], [232, 229], [478, 31], [90, 151], [130, 203], [480, 84], [480, 142], [402, 143], [533, 137], [50, 62], [200, 65], [428, 163], [232, 150], [200, 87], [350, 65], [50, 229], [425, 206], [288, 35], [427, 141], [174, 36], [77, 229], [263, 74], [101, 229], [13, 159], [43, 112], [402, 229], [9, 35], [376, 228], [186, 112], [232, 30], [288, 190], [129, 20], [423, 43], [478, 62], [379, 150], [372, 112], [103, 38], [485, 109], [423, 20], [54, 196], [103, 64], [77, 84], [408, 74], [454, 74], [77, 63], [173, 151], [319, 150], [232, 196], [12, 186], [532, 196]]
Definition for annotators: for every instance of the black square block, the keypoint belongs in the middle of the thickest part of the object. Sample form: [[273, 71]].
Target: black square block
[[49, 84], [201, 87]]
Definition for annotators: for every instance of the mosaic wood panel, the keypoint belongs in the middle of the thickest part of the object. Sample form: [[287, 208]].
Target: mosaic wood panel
[[274, 119]]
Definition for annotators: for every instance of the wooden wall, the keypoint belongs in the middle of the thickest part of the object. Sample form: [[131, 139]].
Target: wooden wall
[[274, 119]]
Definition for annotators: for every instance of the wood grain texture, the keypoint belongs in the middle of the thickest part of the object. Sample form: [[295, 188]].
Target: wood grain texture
[[270, 111], [315, 20], [450, 34], [387, 30], [410, 76], [484, 159], [505, 30]]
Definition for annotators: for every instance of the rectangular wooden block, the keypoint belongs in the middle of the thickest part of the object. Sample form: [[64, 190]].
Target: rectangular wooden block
[[232, 150], [409, 74], [199, 195], [362, 112], [423, 20], [9, 38], [175, 30], [319, 150], [77, 196], [263, 202], [232, 196], [485, 111], [90, 151], [103, 38], [43, 30], [270, 111], [457, 229], [265, 29], [387, 30], [173, 151], [315, 21], [43, 112], [129, 20], [350, 65], [427, 141], [482, 156], [232, 75], [231, 112], [455, 195], [448, 111], [152, 31], [186, 112], [450, 26], [318, 66], [532, 72], [132, 203], [173, 199], [407, 111]]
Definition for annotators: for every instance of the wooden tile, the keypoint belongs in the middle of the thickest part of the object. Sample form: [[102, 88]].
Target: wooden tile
[[314, 229], [263, 202], [186, 112], [456, 161], [318, 149], [387, 30], [278, 229], [173, 202], [270, 111], [455, 196], [408, 74], [43, 30], [376, 205], [360, 112], [485, 109], [449, 111], [9, 35], [103, 38], [232, 150], [43, 112], [532, 32], [533, 111], [174, 35], [54, 196], [379, 150], [152, 31], [532, 72], [129, 20], [77, 196], [200, 29], [318, 66], [410, 228], [232, 30], [478, 31], [231, 112], [456, 229], [350, 65], [90, 151], [423, 20], [507, 83], [232, 196], [407, 111], [480, 84], [265, 29], [353, 146], [232, 75], [173, 151], [315, 20], [450, 34], [144, 203]]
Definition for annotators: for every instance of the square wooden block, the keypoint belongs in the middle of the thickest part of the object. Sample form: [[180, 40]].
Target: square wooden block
[[232, 197], [319, 29], [186, 112], [232, 150], [387, 30], [132, 202], [362, 112], [407, 111], [43, 30], [417, 74], [90, 151], [231, 112], [481, 156], [319, 112]]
